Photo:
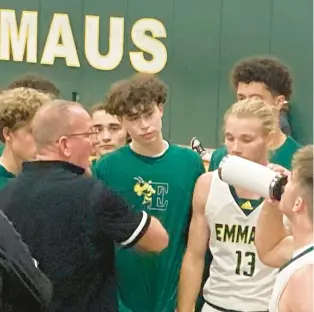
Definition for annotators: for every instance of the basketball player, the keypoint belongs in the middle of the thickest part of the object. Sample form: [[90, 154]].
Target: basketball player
[[155, 176], [269, 80], [294, 289], [17, 109], [33, 82], [36, 82], [224, 218], [111, 134]]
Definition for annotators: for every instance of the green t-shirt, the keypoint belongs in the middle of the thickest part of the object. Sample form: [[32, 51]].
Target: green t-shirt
[[1, 148], [282, 156], [5, 177], [163, 186]]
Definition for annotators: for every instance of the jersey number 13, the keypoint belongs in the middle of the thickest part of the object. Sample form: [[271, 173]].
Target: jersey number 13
[[248, 260]]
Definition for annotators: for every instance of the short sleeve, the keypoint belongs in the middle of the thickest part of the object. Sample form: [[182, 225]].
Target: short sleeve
[[99, 169], [113, 218], [217, 157], [213, 161], [201, 168]]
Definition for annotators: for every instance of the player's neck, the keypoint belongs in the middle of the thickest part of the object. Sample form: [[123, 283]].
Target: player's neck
[[10, 162], [242, 193], [151, 150], [279, 139], [302, 235]]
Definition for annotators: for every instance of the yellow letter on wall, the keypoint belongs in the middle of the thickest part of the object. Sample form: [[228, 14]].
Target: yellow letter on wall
[[149, 45], [60, 30], [18, 38], [116, 40]]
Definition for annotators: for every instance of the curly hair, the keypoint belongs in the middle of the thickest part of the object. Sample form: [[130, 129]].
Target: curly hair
[[18, 107], [267, 70], [36, 82], [139, 93]]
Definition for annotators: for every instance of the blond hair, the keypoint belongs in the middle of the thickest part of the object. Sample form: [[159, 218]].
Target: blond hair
[[253, 108], [302, 168], [18, 107]]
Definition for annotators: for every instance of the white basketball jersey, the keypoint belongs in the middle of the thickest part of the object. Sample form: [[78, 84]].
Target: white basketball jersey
[[300, 258], [238, 280]]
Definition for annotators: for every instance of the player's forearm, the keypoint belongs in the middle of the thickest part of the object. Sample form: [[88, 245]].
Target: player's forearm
[[270, 233], [190, 282]]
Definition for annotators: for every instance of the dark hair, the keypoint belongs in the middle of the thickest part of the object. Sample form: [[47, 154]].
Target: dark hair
[[267, 70], [139, 92], [36, 82], [100, 106]]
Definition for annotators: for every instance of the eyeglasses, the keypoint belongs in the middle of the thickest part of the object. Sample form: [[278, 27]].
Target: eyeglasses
[[91, 134]]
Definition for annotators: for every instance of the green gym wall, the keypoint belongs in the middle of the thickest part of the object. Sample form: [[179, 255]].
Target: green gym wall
[[196, 44]]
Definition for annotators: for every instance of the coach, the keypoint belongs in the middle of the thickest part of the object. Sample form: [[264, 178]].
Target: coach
[[71, 221]]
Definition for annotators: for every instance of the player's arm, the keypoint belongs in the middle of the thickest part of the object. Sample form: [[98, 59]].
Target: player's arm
[[193, 261], [273, 243], [113, 219], [298, 294]]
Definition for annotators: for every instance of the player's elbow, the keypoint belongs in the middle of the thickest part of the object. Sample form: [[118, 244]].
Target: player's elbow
[[264, 258], [270, 259], [262, 251], [263, 254], [155, 239]]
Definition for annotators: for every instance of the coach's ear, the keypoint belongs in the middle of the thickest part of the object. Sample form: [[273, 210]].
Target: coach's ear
[[63, 146]]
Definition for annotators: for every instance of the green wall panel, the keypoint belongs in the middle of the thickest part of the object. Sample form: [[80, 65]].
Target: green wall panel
[[292, 41], [245, 32], [204, 40], [156, 9], [66, 78], [195, 66], [95, 83], [11, 70]]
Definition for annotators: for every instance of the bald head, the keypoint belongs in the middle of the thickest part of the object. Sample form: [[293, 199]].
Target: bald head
[[55, 119]]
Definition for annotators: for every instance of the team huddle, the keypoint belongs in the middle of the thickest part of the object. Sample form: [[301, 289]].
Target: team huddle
[[184, 239]]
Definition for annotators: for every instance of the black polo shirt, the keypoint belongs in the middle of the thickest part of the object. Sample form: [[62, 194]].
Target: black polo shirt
[[70, 222]]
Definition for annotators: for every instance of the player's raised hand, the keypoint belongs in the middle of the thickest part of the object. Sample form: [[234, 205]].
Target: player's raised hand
[[279, 169]]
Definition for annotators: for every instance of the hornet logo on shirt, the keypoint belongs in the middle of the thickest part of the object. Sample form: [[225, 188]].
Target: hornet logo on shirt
[[145, 189]]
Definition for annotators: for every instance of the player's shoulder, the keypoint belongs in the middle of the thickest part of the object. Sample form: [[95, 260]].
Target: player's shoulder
[[293, 144], [186, 152], [205, 180], [299, 289], [112, 156], [216, 157], [222, 151], [201, 190], [303, 273]]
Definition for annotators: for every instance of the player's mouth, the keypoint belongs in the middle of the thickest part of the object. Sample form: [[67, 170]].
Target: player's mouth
[[148, 135], [107, 147]]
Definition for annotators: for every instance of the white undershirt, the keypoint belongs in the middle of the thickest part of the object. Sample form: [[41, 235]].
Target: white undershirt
[[166, 146]]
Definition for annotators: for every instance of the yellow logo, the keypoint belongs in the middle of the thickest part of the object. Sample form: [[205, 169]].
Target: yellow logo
[[145, 189], [247, 206]]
